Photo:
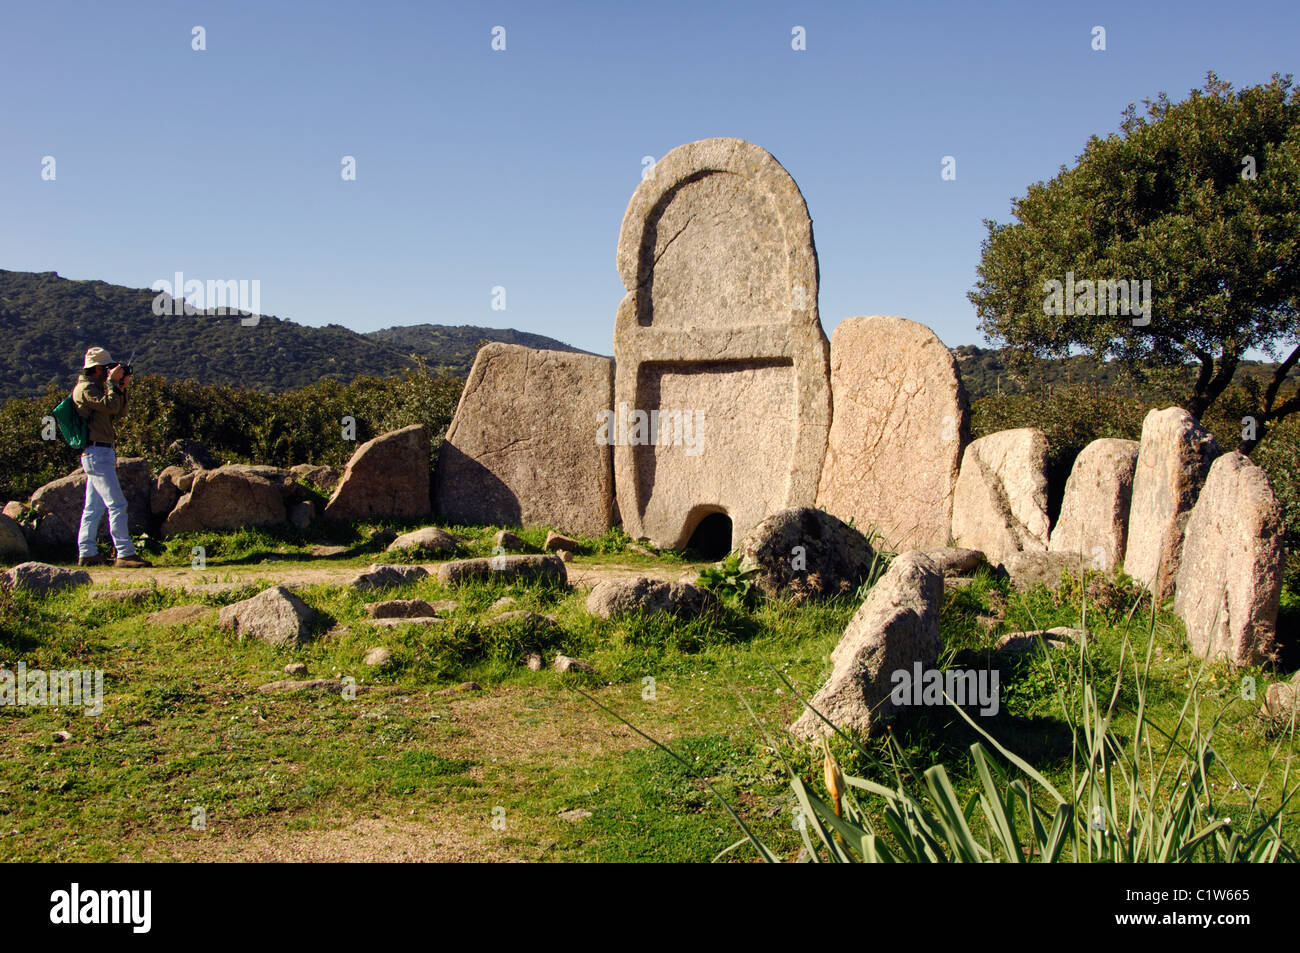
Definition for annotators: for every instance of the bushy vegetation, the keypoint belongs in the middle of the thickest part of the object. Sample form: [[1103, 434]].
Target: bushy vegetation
[[237, 424]]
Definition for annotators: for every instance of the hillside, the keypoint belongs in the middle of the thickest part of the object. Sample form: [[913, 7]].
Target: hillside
[[49, 321]]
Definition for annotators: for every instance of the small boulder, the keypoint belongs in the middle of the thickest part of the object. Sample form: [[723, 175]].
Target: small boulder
[[534, 662], [42, 578], [399, 609], [274, 615], [321, 477], [503, 568], [954, 561], [167, 491], [226, 498], [430, 539], [13, 544], [386, 577], [295, 668], [556, 543], [379, 657], [1282, 700], [563, 663], [394, 622], [510, 542], [806, 552], [648, 597]]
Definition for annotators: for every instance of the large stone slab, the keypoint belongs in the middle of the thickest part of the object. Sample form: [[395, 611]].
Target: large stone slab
[[1230, 574], [1173, 460], [522, 449], [60, 503], [386, 478], [1094, 512], [229, 497], [1000, 502], [896, 627], [899, 424], [720, 326]]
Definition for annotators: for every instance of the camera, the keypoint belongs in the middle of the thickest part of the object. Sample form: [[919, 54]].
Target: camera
[[126, 368]]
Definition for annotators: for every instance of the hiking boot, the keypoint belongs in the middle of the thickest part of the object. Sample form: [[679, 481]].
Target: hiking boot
[[92, 561], [132, 562]]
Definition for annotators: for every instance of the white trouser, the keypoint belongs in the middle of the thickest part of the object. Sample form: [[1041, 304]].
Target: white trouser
[[103, 492]]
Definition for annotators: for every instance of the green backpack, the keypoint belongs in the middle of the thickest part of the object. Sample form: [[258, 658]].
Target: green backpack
[[72, 425]]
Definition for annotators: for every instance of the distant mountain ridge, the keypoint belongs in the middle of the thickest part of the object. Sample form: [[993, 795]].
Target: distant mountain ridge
[[48, 321]]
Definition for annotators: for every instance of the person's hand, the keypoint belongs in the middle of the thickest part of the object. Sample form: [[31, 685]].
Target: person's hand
[[117, 373]]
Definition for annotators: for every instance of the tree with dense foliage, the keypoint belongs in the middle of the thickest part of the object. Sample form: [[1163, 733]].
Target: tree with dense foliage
[[1199, 198]]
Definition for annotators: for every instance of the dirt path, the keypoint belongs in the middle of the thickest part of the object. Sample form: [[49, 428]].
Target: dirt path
[[315, 573]]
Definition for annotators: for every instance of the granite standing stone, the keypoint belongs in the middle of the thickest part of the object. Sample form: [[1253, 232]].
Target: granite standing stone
[[1230, 574], [1173, 460], [721, 383], [522, 449], [898, 428]]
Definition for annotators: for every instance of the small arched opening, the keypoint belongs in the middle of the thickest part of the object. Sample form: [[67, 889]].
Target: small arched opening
[[712, 537]]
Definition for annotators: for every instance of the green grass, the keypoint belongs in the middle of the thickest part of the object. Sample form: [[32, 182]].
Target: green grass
[[184, 725]]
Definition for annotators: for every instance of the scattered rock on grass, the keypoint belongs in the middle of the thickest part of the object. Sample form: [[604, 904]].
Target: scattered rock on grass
[[534, 662], [576, 816], [379, 657], [275, 616], [380, 576], [329, 686], [430, 539], [399, 609], [556, 542], [563, 663], [42, 578], [503, 568], [510, 542], [295, 668], [648, 597]]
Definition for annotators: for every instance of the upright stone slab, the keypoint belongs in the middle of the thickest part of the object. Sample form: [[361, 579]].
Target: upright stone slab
[[719, 325], [1000, 503], [899, 424], [387, 477], [1173, 460], [522, 449], [1094, 513], [1230, 574]]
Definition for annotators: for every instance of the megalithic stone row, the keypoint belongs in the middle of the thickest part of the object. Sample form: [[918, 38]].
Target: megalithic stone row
[[899, 423], [1230, 573], [1094, 512], [1174, 458], [1000, 503], [721, 383], [524, 448]]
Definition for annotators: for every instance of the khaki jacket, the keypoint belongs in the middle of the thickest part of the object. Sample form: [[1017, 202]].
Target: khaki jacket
[[100, 405]]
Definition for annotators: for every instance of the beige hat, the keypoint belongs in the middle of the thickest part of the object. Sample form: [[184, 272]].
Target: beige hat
[[96, 356]]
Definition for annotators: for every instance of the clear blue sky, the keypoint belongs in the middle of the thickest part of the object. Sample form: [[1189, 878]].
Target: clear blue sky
[[478, 168]]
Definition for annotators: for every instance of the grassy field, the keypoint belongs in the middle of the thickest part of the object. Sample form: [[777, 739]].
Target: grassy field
[[419, 766]]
